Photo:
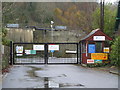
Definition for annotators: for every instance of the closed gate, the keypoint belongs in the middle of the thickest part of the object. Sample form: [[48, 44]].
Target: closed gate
[[44, 53]]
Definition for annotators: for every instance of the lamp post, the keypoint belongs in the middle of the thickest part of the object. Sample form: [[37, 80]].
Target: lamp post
[[52, 34], [52, 30]]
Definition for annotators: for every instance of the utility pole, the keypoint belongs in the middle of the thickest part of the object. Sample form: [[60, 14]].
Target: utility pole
[[117, 24], [102, 15]]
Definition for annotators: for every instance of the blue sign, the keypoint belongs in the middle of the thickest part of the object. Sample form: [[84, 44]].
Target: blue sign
[[12, 25], [52, 50], [97, 61], [91, 48]]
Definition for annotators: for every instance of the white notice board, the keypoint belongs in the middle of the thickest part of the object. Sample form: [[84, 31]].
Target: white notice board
[[38, 47], [99, 38], [53, 47]]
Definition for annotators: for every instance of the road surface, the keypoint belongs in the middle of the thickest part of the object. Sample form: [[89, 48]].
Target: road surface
[[58, 76]]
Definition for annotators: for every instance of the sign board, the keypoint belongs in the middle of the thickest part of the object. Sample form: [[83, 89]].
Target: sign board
[[91, 48], [90, 61], [19, 49], [71, 51], [12, 25], [61, 27], [33, 51], [51, 50], [19, 54], [2, 48], [99, 56], [53, 47], [99, 38], [38, 47], [97, 61], [106, 50], [27, 51]]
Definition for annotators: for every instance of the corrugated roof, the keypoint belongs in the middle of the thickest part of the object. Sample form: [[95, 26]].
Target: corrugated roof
[[94, 31]]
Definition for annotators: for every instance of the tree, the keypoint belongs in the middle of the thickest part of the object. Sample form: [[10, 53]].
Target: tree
[[115, 53], [5, 41], [72, 17], [109, 19]]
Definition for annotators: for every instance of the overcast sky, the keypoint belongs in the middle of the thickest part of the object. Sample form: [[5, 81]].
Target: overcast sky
[[111, 1]]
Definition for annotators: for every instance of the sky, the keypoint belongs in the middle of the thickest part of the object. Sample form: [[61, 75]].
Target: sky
[[111, 1]]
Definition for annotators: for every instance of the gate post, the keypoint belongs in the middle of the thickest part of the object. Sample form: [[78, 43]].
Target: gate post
[[77, 53], [46, 54], [11, 53]]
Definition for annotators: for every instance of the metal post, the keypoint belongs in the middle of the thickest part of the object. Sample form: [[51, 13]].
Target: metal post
[[52, 30], [52, 34], [11, 53], [77, 53], [13, 61], [46, 54]]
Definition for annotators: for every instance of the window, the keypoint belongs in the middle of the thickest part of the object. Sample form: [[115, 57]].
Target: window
[[98, 47]]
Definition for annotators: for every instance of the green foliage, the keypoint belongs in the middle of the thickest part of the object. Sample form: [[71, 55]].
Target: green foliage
[[115, 53], [109, 19], [72, 17], [5, 41]]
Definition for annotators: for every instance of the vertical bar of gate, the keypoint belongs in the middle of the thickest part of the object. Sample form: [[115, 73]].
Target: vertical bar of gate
[[46, 54], [77, 52], [80, 51], [11, 53]]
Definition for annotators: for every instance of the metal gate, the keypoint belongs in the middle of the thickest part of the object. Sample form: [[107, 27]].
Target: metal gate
[[44, 53]]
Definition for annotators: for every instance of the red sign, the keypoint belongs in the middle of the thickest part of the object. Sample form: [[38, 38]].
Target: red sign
[[90, 60]]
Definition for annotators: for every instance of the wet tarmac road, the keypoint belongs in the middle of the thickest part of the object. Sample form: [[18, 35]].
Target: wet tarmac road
[[58, 76]]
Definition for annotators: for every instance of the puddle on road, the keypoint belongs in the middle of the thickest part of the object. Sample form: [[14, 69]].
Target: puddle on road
[[70, 84], [49, 83], [31, 73]]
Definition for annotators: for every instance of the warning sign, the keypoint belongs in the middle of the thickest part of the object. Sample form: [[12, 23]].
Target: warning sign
[[99, 56]]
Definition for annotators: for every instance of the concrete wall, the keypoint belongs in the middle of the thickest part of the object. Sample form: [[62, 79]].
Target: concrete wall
[[58, 36], [20, 35]]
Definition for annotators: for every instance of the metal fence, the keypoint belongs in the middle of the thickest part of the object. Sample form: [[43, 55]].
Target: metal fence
[[44, 53]]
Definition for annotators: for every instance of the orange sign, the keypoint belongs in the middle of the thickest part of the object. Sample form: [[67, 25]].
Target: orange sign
[[99, 56], [106, 49]]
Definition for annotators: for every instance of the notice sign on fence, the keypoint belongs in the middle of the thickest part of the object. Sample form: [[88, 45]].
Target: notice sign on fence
[[53, 47], [99, 56], [19, 49], [27, 52], [38, 47]]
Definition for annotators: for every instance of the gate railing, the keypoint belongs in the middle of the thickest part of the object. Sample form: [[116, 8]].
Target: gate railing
[[68, 53]]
